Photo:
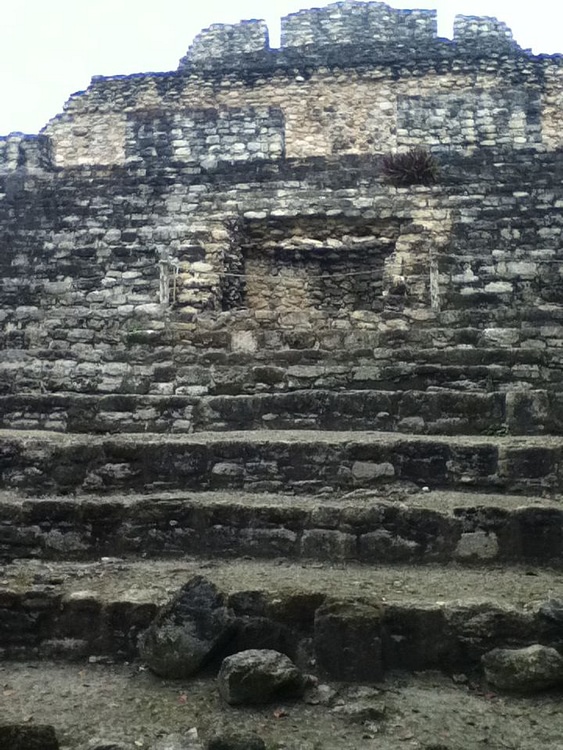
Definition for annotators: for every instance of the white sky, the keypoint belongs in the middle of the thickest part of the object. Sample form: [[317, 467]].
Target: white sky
[[51, 48]]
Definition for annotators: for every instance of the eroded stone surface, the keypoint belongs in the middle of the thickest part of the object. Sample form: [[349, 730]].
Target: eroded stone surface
[[25, 737], [348, 641], [259, 676], [188, 631], [524, 670], [236, 741]]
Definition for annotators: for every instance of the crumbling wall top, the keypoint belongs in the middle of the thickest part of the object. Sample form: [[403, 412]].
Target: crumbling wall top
[[225, 41], [482, 29], [358, 32], [353, 22]]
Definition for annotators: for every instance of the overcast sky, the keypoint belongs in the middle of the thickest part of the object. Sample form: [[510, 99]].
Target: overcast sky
[[51, 48]]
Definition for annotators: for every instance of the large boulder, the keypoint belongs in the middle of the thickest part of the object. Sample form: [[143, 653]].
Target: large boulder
[[26, 737], [524, 669], [259, 676], [188, 632]]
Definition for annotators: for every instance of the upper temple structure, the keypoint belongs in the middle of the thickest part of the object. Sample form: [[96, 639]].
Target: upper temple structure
[[242, 203], [301, 304]]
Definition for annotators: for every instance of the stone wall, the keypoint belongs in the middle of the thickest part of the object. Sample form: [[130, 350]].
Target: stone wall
[[93, 258], [459, 104], [494, 117], [76, 263], [357, 23], [350, 78], [239, 207], [18, 151], [220, 42], [206, 136], [317, 264], [472, 30]]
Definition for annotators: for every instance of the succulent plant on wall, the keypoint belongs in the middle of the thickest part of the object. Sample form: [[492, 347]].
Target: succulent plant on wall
[[414, 167]]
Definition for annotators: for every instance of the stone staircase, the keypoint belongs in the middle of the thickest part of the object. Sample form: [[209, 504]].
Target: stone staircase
[[418, 471], [439, 508], [457, 538], [457, 390]]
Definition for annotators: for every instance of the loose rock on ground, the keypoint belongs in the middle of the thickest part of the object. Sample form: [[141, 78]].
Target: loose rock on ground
[[259, 676], [525, 669]]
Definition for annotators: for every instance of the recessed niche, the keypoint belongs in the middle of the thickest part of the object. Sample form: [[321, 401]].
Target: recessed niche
[[310, 263]]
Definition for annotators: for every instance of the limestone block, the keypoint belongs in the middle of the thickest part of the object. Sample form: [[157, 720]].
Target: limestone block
[[524, 670], [244, 341], [363, 470], [324, 544], [259, 676], [193, 626], [347, 641], [501, 336], [477, 545]]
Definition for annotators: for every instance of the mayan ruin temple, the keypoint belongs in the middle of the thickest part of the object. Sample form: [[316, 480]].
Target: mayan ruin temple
[[281, 357]]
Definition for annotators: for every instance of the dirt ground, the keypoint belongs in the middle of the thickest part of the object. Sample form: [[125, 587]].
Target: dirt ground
[[127, 703]]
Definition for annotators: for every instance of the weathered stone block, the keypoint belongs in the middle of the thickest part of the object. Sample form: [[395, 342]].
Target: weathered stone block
[[259, 676], [524, 670], [418, 638], [477, 545], [347, 641], [189, 630], [363, 470], [24, 737], [384, 546], [324, 544]]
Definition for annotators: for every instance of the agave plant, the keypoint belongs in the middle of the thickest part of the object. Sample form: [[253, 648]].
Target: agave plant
[[415, 167]]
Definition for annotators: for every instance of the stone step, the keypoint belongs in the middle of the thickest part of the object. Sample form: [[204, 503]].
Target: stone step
[[299, 461], [439, 411], [215, 372], [372, 527], [471, 325], [436, 617], [351, 351], [400, 376], [349, 347], [465, 320]]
